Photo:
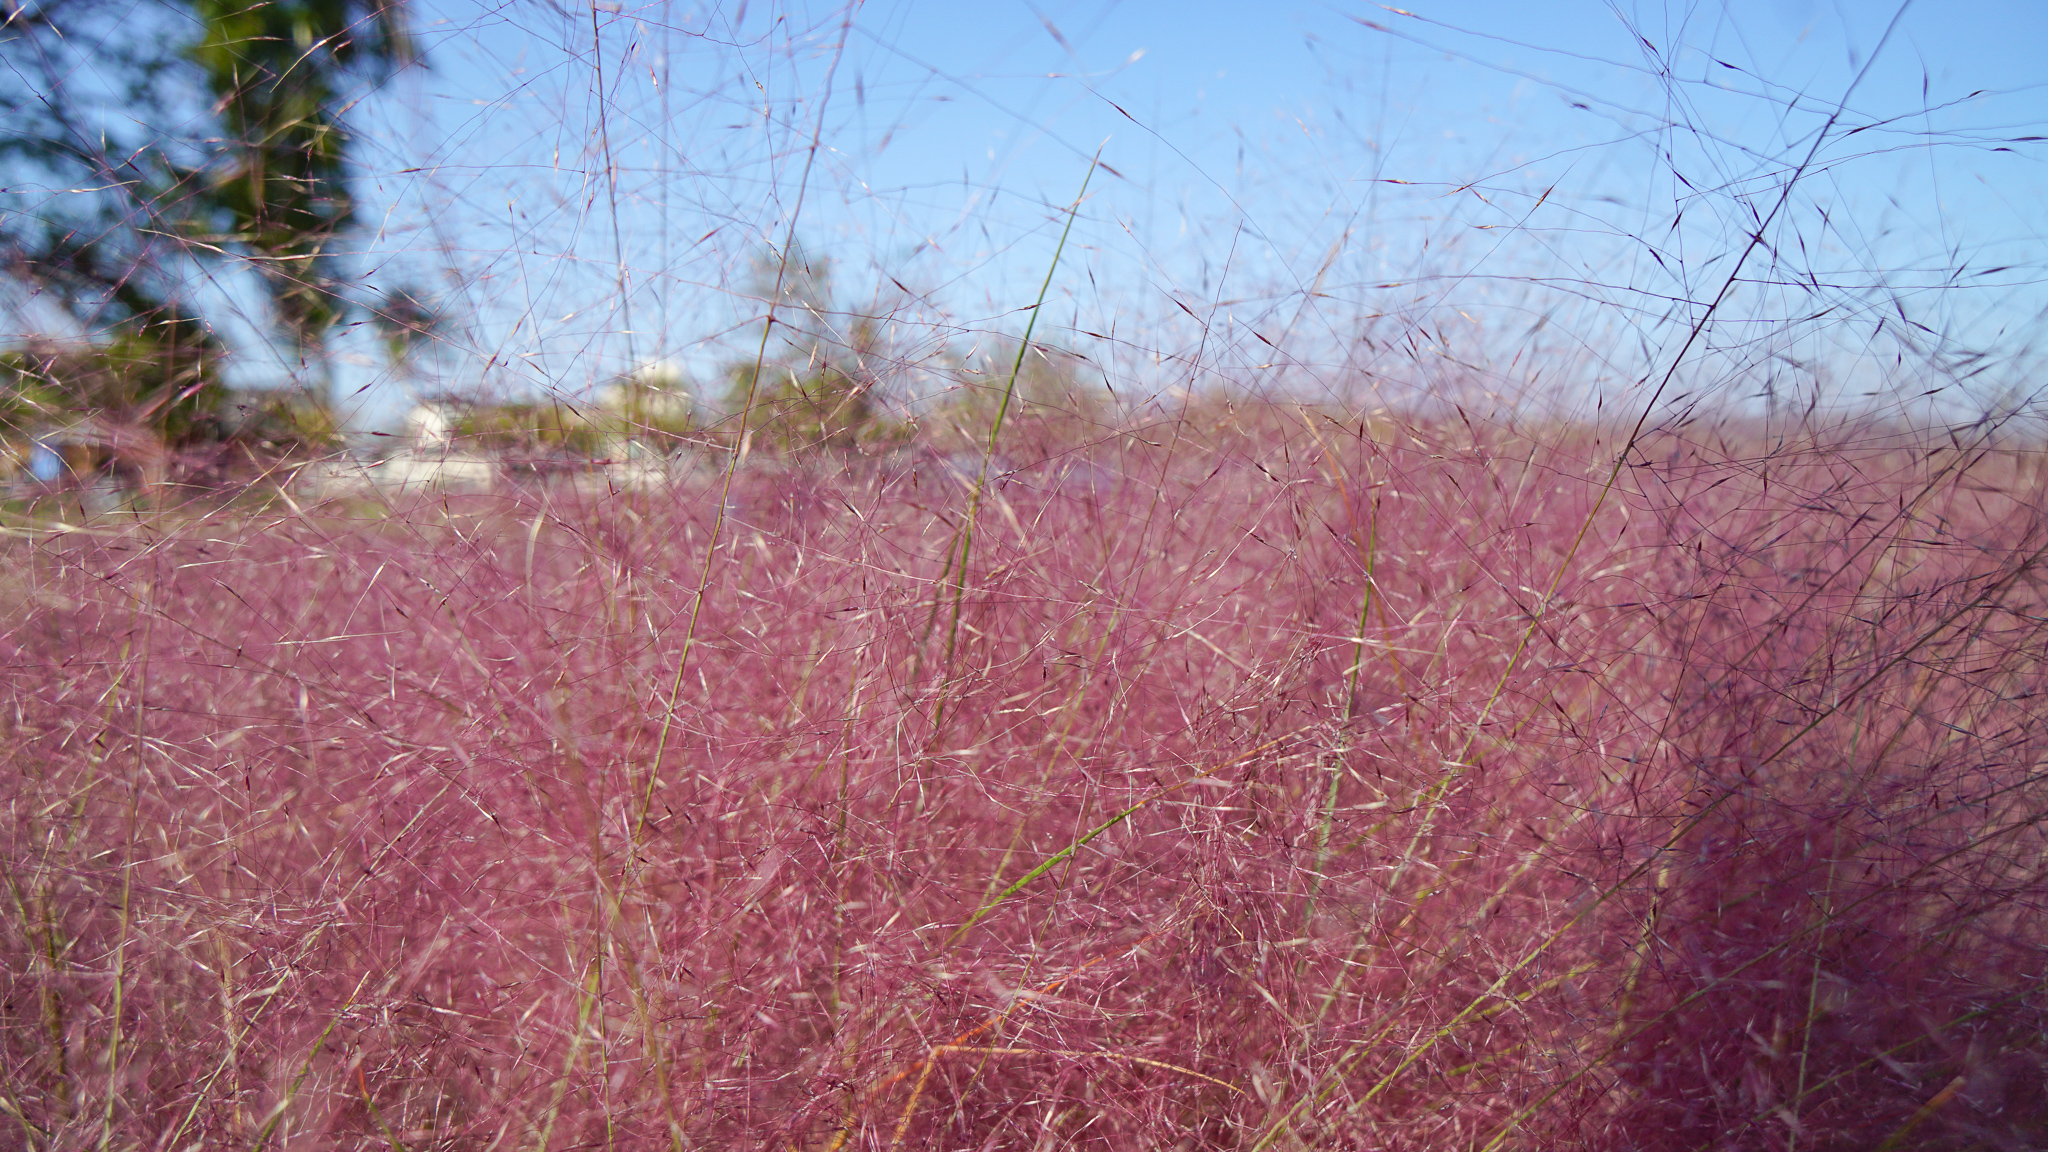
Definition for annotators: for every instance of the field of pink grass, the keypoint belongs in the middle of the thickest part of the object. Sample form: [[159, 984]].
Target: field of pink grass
[[1282, 780]]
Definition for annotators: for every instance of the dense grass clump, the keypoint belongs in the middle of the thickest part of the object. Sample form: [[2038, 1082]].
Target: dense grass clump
[[1258, 778]]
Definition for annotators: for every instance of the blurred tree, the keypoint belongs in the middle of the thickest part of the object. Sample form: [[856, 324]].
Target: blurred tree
[[1048, 382], [528, 429], [124, 400], [278, 71], [815, 388], [410, 323], [651, 407], [140, 379], [97, 172], [141, 142]]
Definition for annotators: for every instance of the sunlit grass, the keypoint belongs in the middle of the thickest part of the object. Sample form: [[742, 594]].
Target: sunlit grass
[[326, 829]]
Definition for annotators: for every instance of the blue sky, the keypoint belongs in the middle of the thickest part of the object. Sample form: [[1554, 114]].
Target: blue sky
[[1502, 199]]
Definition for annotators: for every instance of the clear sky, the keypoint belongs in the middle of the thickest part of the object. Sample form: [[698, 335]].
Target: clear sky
[[1509, 198]]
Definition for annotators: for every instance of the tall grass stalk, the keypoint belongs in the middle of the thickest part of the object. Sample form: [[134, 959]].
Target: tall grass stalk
[[739, 448], [958, 555]]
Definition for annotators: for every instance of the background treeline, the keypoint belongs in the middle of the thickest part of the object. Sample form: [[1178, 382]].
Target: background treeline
[[152, 153]]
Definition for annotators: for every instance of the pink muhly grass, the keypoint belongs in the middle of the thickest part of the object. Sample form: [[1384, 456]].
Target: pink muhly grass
[[341, 825]]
